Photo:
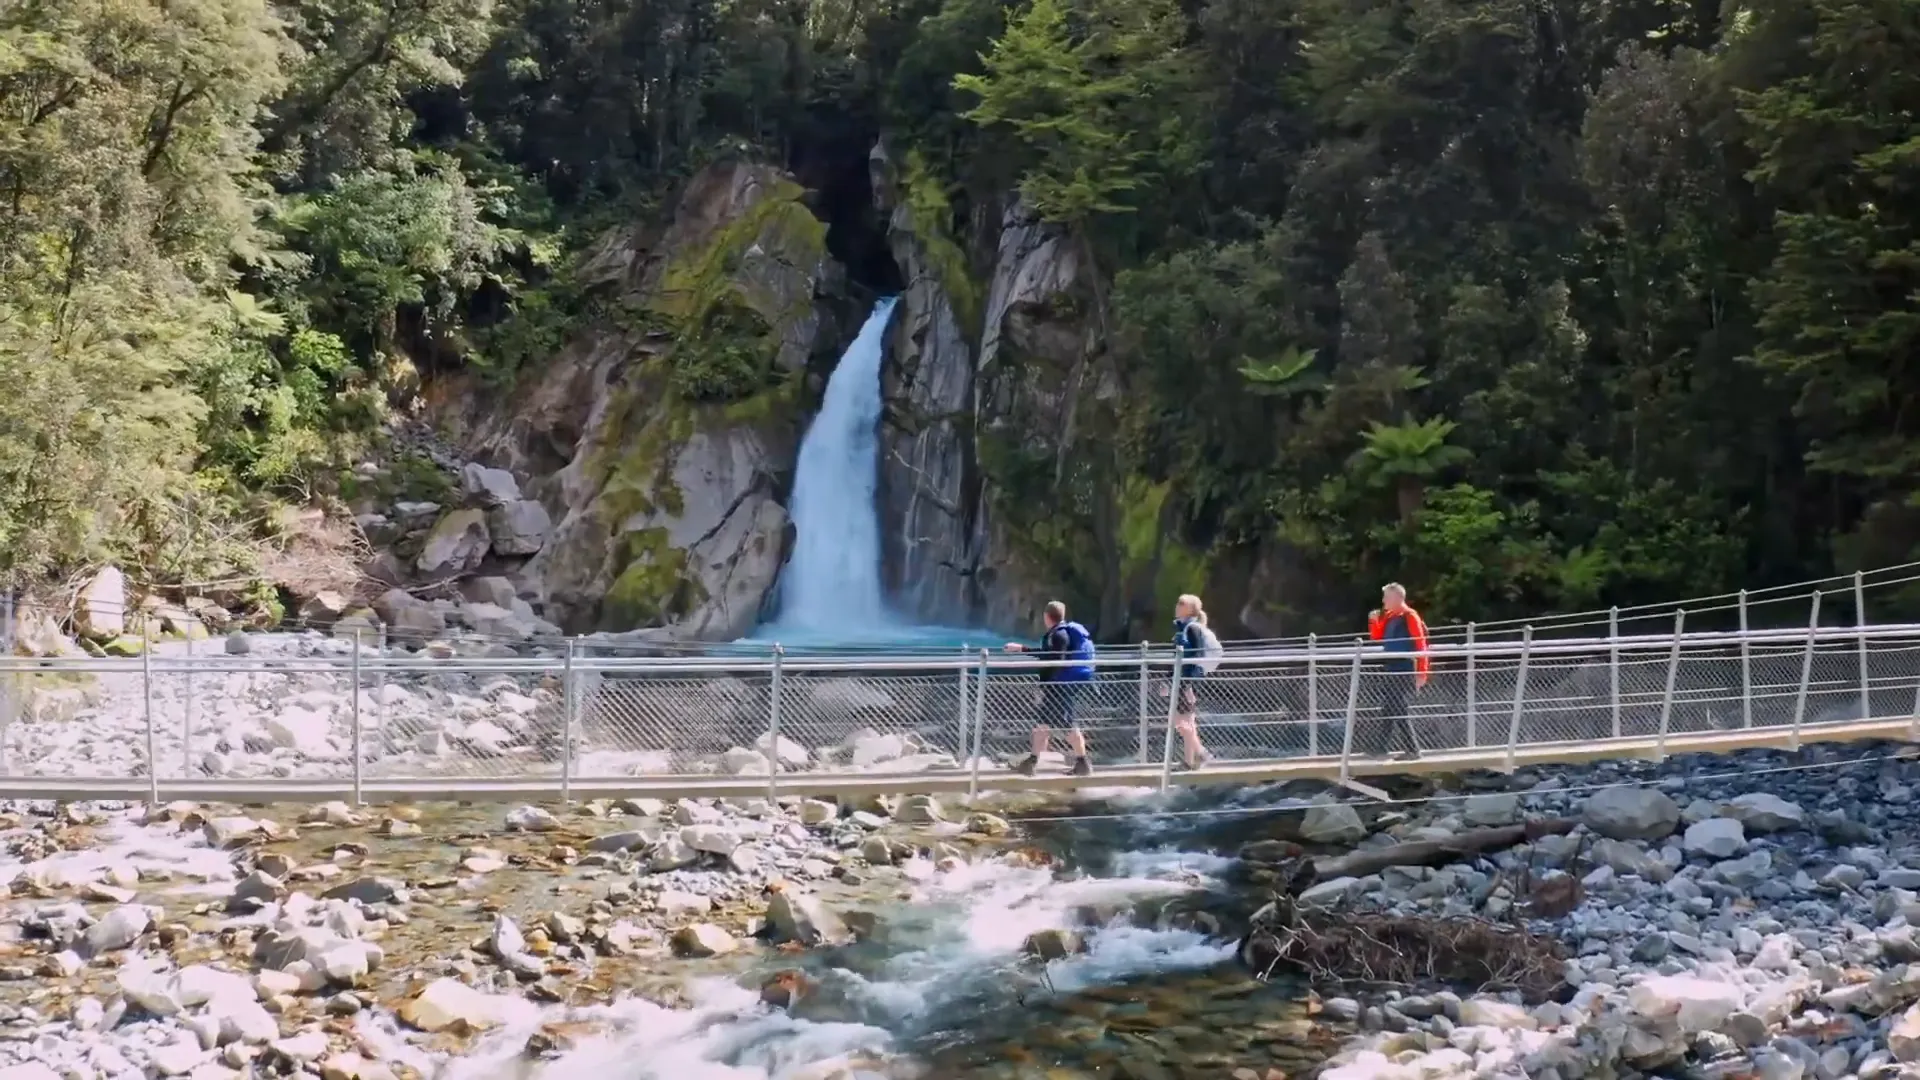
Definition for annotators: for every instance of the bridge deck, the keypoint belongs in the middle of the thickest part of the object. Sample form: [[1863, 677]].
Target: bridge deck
[[950, 781]]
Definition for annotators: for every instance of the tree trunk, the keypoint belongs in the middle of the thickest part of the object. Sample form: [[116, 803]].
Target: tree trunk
[[1438, 852]]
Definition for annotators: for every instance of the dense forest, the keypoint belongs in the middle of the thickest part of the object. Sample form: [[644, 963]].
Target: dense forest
[[1532, 303]]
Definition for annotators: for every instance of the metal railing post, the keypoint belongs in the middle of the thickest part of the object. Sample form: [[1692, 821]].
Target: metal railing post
[[1673, 674], [380, 686], [965, 712], [1860, 623], [1353, 713], [773, 725], [1519, 695], [358, 799], [153, 756], [1473, 691], [1746, 667], [14, 688], [1613, 666], [1313, 695], [1173, 707], [569, 703], [979, 726], [186, 717], [1913, 729], [1806, 672], [1145, 729]]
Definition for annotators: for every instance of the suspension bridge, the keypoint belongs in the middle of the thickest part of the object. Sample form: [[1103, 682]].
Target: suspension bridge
[[345, 719]]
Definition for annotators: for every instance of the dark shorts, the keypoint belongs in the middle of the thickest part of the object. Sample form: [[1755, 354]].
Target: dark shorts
[[1059, 705], [1193, 693]]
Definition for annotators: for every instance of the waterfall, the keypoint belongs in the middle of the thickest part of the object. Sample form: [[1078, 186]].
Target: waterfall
[[831, 584]]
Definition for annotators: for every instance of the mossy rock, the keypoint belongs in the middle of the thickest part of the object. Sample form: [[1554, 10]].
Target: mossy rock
[[125, 645], [653, 586]]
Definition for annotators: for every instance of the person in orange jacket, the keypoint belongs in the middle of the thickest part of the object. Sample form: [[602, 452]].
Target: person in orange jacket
[[1399, 629]]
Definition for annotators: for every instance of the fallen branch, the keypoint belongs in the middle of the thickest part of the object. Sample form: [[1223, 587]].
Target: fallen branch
[[1437, 852]]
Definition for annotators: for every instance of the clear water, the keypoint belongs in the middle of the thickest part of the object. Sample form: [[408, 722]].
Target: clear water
[[944, 991], [830, 595]]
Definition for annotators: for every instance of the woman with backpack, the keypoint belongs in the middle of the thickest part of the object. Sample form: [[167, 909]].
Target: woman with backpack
[[1200, 654]]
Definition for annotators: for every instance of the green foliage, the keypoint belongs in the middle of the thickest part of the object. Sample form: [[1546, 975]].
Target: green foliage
[[930, 210], [1091, 89], [1648, 272]]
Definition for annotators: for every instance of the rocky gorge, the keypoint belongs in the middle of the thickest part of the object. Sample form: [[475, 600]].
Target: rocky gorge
[[1746, 916]]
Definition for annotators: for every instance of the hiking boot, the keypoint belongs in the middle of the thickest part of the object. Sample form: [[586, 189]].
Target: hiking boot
[[1026, 765], [1412, 754], [1081, 766]]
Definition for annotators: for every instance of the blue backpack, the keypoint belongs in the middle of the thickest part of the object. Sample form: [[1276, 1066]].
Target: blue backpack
[[1080, 648]]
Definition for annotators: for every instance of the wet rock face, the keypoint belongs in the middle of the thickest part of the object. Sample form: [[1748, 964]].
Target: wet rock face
[[637, 507], [950, 378]]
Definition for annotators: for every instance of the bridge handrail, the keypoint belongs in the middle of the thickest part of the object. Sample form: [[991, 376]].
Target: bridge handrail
[[1296, 711]]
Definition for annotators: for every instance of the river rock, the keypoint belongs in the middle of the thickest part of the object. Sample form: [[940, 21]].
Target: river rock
[[818, 811], [1327, 894], [254, 890], [1499, 808], [919, 810], [519, 528], [116, 930], [1626, 858], [1903, 1038], [1332, 823], [449, 1005], [1484, 1012], [531, 819], [1631, 814], [1715, 838], [630, 840], [101, 608], [1760, 812], [368, 891], [409, 616], [789, 754], [710, 838], [702, 940], [671, 853], [486, 487], [805, 920], [1694, 1004], [1050, 945], [458, 543]]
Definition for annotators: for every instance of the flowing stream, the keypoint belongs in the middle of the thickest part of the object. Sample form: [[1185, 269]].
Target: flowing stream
[[944, 986]]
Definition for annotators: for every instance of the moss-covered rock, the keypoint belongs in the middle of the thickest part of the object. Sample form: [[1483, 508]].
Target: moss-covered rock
[[124, 646], [676, 419]]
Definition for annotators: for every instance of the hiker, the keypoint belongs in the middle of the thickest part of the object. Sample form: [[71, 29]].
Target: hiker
[[1058, 698], [1200, 654], [1400, 630]]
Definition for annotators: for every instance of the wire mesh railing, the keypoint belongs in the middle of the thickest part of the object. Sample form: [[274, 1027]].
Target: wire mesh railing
[[353, 717]]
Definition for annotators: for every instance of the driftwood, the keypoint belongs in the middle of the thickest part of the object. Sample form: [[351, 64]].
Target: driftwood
[[1435, 852], [1375, 949]]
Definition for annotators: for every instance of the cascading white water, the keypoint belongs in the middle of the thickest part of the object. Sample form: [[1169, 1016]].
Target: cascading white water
[[831, 584]]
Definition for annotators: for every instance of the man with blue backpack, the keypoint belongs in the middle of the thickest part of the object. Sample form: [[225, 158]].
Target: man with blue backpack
[[1060, 687]]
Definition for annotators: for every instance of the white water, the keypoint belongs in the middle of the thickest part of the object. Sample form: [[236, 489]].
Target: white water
[[960, 937], [832, 580]]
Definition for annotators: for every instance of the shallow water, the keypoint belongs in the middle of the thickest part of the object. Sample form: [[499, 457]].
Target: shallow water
[[944, 988]]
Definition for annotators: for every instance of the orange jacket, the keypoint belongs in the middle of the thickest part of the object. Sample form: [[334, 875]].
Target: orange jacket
[[1416, 629]]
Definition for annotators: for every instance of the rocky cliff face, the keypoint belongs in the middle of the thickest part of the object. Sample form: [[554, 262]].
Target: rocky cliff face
[[956, 381], [661, 442]]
